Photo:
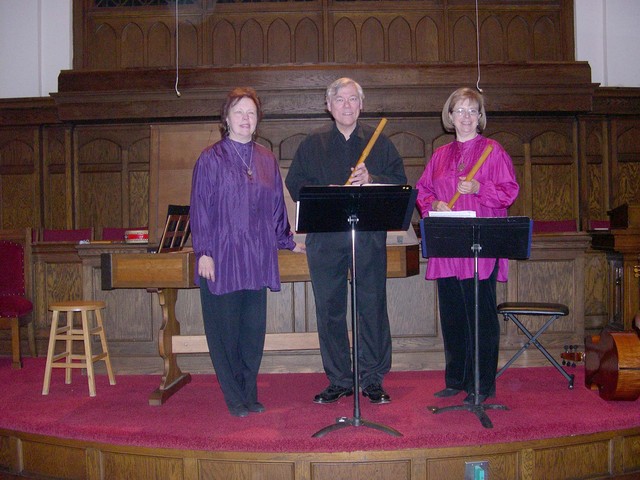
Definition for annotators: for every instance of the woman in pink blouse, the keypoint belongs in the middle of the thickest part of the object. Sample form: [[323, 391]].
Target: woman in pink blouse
[[492, 190]]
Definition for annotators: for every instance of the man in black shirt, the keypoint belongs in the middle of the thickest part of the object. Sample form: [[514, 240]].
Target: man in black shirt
[[328, 157]]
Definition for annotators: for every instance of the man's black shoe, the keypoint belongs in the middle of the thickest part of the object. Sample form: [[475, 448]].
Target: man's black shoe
[[447, 392], [332, 394], [376, 394]]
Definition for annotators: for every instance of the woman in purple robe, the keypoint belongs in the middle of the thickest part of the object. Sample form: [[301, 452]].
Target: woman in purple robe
[[238, 223], [489, 193]]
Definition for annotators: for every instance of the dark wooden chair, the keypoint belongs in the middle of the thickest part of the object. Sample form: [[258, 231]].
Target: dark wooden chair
[[176, 229], [15, 307], [71, 235]]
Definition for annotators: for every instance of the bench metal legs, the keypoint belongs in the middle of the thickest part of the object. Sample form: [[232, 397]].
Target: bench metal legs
[[533, 340]]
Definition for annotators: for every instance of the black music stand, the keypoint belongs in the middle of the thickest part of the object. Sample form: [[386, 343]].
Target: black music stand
[[508, 237], [355, 208]]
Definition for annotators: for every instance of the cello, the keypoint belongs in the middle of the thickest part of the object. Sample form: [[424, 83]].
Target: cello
[[612, 363]]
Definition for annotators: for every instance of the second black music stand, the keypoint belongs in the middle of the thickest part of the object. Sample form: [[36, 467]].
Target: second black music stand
[[507, 237], [355, 208]]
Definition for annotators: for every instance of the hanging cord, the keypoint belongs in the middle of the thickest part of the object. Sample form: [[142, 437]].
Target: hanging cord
[[478, 48], [177, 52]]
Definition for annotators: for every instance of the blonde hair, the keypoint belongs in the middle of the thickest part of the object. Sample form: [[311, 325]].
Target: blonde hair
[[461, 94]]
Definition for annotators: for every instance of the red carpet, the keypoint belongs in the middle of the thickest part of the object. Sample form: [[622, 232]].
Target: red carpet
[[540, 406]]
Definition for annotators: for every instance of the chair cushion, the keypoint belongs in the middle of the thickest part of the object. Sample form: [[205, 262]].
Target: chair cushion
[[12, 269], [14, 306], [554, 226], [76, 235]]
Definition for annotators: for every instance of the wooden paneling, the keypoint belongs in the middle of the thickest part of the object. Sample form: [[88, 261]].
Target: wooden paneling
[[276, 33], [56, 276], [111, 171], [174, 151], [126, 465], [599, 455], [298, 91], [597, 286], [575, 147], [54, 460], [555, 273], [19, 172], [501, 467], [572, 461], [104, 175], [272, 470], [57, 179]]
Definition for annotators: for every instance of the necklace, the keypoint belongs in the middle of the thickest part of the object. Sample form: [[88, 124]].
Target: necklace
[[248, 167], [462, 161]]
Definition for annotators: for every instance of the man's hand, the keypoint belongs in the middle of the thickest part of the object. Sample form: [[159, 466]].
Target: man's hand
[[359, 175]]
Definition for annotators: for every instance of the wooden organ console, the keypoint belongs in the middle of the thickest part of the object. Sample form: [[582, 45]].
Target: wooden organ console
[[622, 244]]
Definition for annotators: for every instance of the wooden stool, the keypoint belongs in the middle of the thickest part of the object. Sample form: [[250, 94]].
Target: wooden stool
[[511, 310], [69, 333]]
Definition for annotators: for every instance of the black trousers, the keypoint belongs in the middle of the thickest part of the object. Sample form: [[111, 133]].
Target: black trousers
[[235, 326], [329, 258], [457, 319]]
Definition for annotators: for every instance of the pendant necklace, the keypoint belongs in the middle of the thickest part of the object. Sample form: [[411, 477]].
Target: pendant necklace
[[461, 160], [248, 167]]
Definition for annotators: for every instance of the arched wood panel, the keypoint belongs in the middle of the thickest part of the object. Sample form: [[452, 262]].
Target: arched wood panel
[[545, 40], [345, 43], [133, 38], [105, 47], [428, 41], [18, 178], [552, 177], [308, 42], [223, 45], [518, 45], [252, 41], [539, 31], [492, 40], [189, 45], [399, 38], [463, 40], [56, 180], [279, 43], [372, 41], [160, 50]]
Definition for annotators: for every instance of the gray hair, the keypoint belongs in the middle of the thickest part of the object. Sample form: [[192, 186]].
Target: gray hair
[[332, 90]]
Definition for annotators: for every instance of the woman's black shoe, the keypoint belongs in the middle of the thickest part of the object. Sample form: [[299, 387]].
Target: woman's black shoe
[[256, 407], [447, 392], [239, 410], [471, 399]]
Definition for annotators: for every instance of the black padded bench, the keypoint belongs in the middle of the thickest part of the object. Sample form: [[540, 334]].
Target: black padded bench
[[511, 310]]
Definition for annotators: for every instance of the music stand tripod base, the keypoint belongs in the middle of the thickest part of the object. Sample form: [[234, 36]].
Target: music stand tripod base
[[356, 421], [508, 237], [343, 422], [364, 208], [478, 410]]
